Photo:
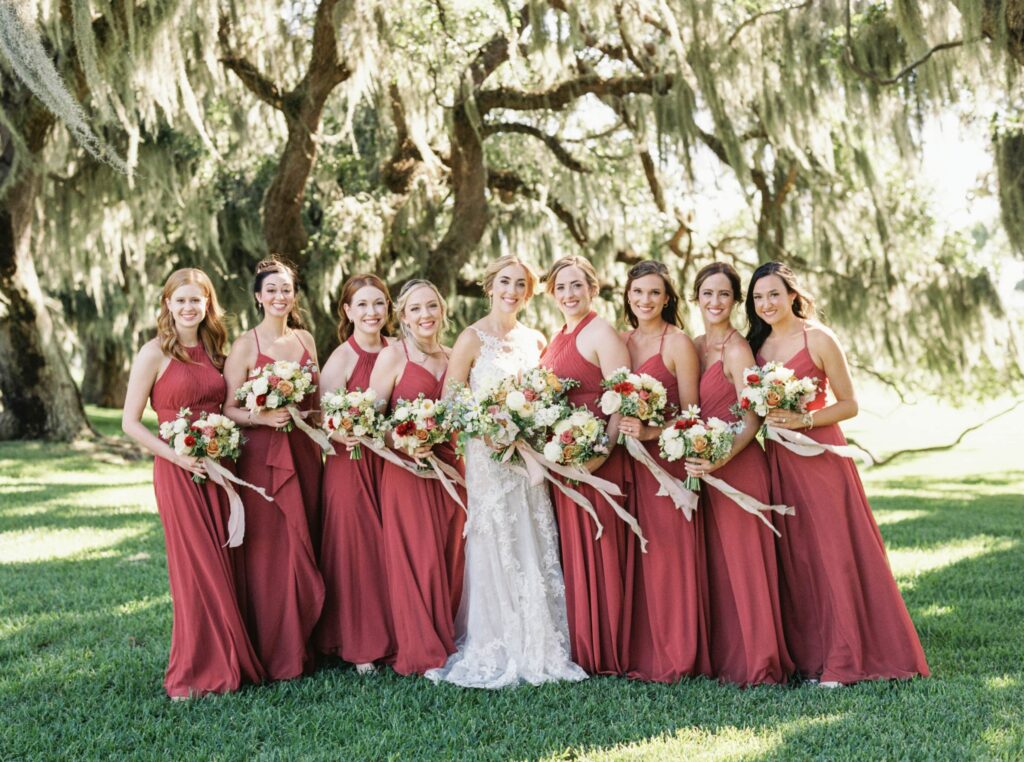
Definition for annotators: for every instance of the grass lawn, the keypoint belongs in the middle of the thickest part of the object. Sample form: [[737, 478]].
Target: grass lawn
[[85, 620]]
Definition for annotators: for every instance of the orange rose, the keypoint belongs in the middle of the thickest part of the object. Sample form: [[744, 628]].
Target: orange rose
[[554, 383], [422, 434], [212, 448], [569, 453], [642, 409], [285, 388], [347, 423], [700, 444], [772, 398]]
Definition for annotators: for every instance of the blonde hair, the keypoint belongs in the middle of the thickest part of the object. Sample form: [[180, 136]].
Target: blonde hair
[[571, 260], [403, 300], [212, 333], [500, 264]]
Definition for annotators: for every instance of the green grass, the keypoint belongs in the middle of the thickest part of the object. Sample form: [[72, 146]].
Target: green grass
[[85, 627]]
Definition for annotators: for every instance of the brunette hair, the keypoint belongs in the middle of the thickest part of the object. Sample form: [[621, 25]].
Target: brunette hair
[[670, 312], [403, 299], [212, 333], [268, 267], [571, 260], [500, 264], [348, 290], [719, 268], [803, 304]]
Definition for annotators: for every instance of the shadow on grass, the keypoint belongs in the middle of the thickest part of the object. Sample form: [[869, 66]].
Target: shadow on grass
[[86, 656]]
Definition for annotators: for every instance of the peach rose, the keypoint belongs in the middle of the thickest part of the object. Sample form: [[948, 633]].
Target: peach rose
[[285, 388], [772, 398], [700, 444], [212, 448]]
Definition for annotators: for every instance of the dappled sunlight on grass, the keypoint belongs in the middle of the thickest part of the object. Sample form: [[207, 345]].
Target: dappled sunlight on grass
[[51, 544], [910, 562], [894, 517]]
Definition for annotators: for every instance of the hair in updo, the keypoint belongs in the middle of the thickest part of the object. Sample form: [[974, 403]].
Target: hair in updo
[[571, 260], [500, 264], [803, 304], [670, 312], [212, 333], [348, 291], [277, 265]]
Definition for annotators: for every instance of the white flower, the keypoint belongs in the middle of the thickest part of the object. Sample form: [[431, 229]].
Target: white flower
[[260, 386], [610, 402], [562, 426], [674, 448], [359, 430], [546, 415], [717, 424], [402, 413], [515, 400], [697, 431], [180, 424], [336, 400], [580, 417], [552, 451], [179, 444], [250, 401], [273, 400]]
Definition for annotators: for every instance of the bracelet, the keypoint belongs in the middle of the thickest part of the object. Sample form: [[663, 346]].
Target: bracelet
[[249, 419], [808, 421]]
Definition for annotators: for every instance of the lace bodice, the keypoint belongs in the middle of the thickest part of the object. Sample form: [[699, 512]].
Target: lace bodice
[[499, 358]]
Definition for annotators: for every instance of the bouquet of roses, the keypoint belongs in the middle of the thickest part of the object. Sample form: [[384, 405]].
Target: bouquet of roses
[[277, 384], [690, 437], [353, 413], [576, 438], [212, 435], [637, 395], [421, 422], [773, 385]]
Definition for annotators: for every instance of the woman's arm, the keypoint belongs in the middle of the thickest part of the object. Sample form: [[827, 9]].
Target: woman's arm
[[144, 373], [464, 354]]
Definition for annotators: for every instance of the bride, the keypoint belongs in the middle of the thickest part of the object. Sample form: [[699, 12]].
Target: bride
[[511, 626]]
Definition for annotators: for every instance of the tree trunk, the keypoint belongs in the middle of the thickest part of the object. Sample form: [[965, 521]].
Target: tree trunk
[[106, 375], [40, 399]]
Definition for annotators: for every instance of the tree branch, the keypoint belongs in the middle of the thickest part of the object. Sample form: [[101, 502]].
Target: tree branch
[[758, 16], [563, 156], [561, 95], [256, 82], [510, 182]]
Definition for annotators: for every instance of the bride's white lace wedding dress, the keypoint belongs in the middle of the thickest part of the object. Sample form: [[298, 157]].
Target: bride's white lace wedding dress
[[511, 626]]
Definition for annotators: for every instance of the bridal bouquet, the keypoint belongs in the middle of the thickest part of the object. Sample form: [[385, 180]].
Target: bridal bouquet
[[353, 413], [277, 384], [421, 422], [773, 385], [690, 437], [637, 395], [576, 438], [212, 435]]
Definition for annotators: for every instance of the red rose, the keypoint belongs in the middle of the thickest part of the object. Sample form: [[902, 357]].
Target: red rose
[[330, 424], [745, 403], [261, 400], [405, 428], [753, 378], [624, 388], [190, 441]]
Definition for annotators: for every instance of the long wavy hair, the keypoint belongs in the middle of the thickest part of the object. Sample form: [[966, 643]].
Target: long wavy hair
[[212, 333], [403, 300], [348, 290], [670, 312], [268, 267], [803, 304]]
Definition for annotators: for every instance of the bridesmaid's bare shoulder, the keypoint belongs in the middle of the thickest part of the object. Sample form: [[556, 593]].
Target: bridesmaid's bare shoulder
[[821, 339], [244, 345], [738, 352], [678, 341]]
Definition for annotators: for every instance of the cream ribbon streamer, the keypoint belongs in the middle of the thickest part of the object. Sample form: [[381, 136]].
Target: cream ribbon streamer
[[748, 503], [236, 518], [316, 435], [448, 476], [802, 444], [684, 499]]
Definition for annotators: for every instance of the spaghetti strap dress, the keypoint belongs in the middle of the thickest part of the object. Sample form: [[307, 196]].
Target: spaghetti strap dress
[[598, 573], [843, 614], [356, 620], [284, 591], [669, 634], [424, 554], [739, 571], [210, 648]]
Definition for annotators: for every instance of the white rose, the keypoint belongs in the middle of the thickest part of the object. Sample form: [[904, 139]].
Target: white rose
[[402, 414], [273, 400], [250, 401], [562, 426], [674, 449], [610, 402], [717, 424], [299, 397], [180, 424], [259, 386], [552, 451], [179, 444], [359, 430], [580, 417], [697, 431], [515, 400]]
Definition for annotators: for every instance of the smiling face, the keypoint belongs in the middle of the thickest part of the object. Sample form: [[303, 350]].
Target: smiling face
[[277, 294], [648, 297], [187, 306], [572, 293], [367, 310], [716, 299], [510, 289], [772, 302], [422, 314]]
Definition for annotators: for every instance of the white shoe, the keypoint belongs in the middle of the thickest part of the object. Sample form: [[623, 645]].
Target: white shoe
[[831, 684], [366, 669]]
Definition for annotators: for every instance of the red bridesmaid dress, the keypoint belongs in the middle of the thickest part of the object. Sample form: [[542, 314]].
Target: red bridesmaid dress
[[424, 553], [356, 620], [669, 638], [738, 569], [598, 573], [843, 614], [210, 649], [284, 591]]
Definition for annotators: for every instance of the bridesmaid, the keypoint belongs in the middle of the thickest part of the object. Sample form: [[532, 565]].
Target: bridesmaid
[[422, 525], [843, 615], [669, 639], [284, 591], [598, 573], [210, 650], [356, 620], [739, 575]]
